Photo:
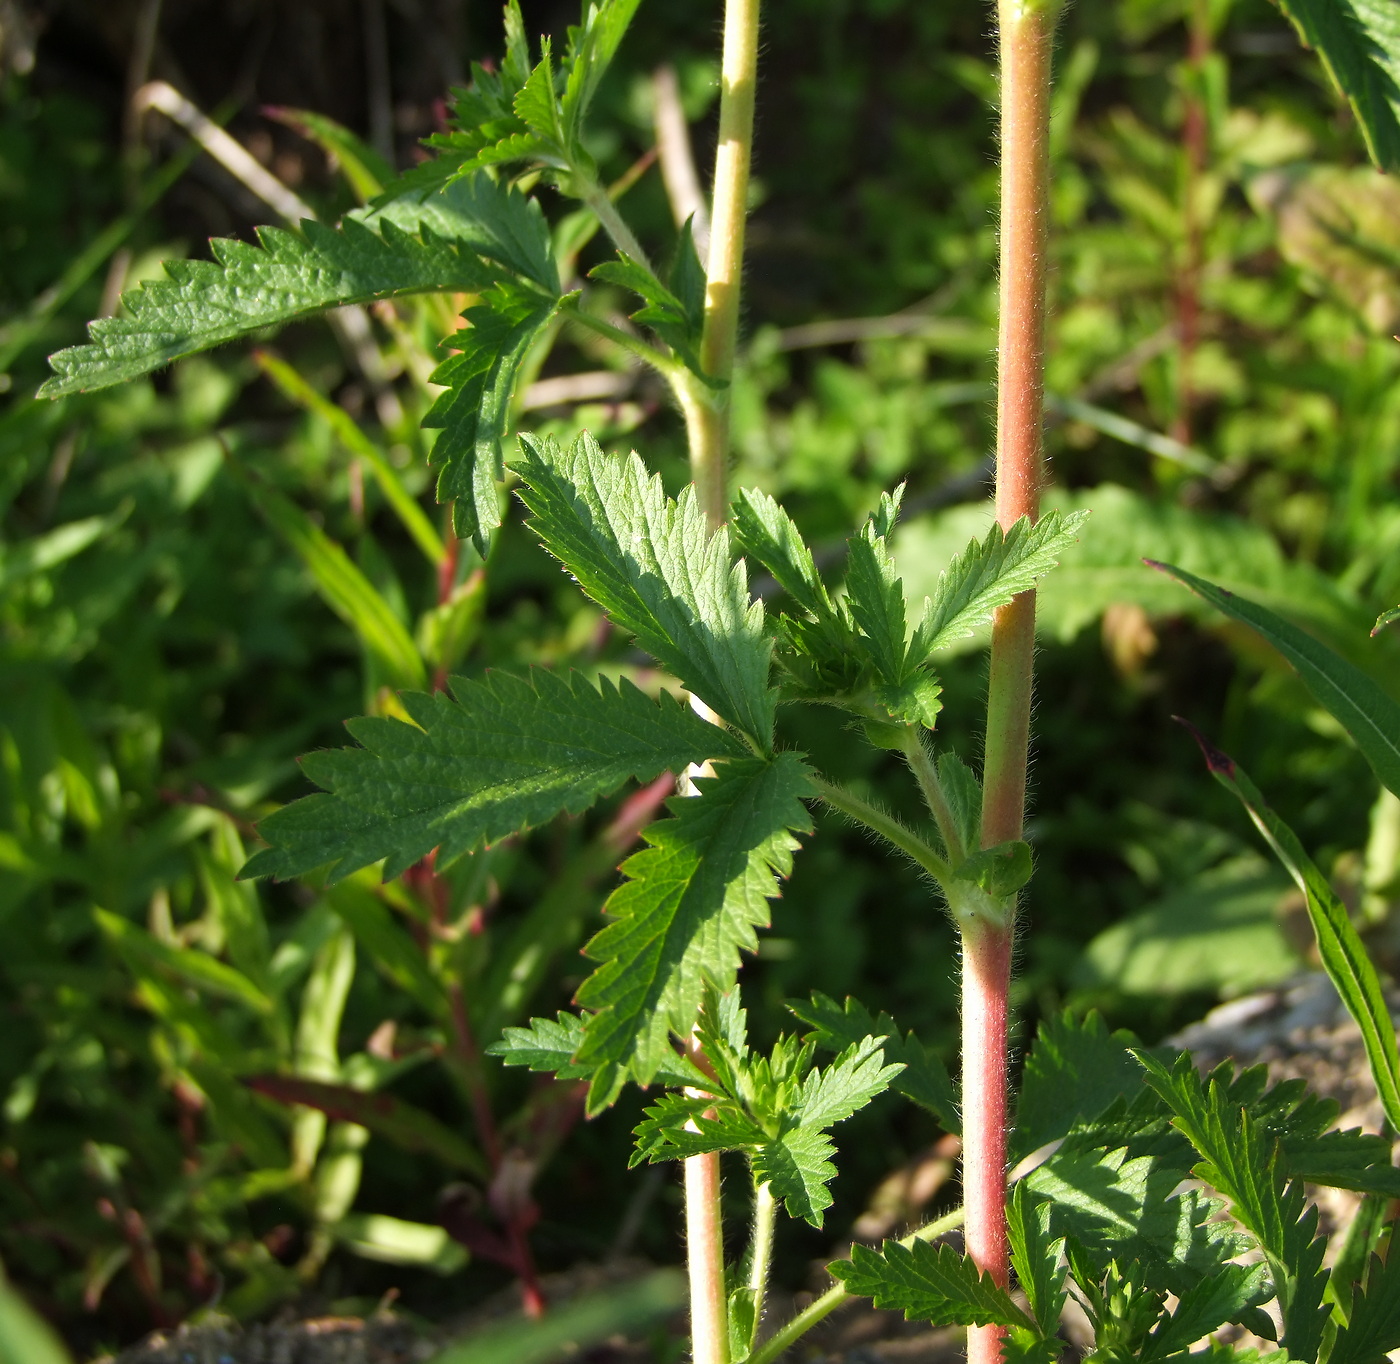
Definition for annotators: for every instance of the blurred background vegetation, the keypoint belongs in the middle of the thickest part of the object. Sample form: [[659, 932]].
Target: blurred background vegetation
[[203, 574]]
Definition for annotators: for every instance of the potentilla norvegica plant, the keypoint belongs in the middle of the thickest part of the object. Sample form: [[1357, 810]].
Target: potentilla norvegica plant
[[1110, 1145]]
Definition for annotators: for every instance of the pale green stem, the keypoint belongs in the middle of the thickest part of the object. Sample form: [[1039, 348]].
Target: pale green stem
[[765, 1209], [889, 828], [921, 763], [614, 224], [662, 363], [708, 428], [837, 1296]]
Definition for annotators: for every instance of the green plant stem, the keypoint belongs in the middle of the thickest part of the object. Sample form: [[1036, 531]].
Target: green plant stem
[[707, 426], [614, 224], [765, 1210], [837, 1296], [889, 828], [670, 369], [1026, 38], [921, 763]]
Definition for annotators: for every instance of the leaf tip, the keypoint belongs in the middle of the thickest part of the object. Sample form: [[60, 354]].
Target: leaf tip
[[1218, 762]]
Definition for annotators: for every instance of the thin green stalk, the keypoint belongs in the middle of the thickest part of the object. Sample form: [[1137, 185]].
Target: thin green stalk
[[765, 1216], [614, 224], [921, 763], [837, 1296], [1026, 37], [886, 825], [664, 365]]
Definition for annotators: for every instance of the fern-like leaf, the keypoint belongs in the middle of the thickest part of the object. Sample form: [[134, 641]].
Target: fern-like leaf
[[509, 753]]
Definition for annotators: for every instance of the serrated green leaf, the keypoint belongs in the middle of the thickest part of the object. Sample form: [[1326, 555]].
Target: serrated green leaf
[[473, 413], [487, 216], [692, 902], [765, 532], [664, 313], [678, 1126], [927, 1283], [1242, 1163], [831, 1094], [916, 701], [924, 1078], [1359, 43], [987, 574], [1370, 716], [1035, 1256], [248, 288], [963, 792], [344, 587], [1226, 1295], [1121, 1207], [1000, 870], [796, 1165], [510, 753], [653, 565], [1344, 955], [1373, 1329], [592, 47], [875, 596], [1075, 1070], [551, 1045]]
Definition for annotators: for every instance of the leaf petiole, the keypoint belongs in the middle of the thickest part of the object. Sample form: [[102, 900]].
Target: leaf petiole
[[886, 825]]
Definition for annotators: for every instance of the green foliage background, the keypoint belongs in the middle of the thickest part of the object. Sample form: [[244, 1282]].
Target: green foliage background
[[175, 625]]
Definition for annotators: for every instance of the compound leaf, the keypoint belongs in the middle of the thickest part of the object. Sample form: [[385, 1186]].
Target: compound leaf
[[656, 569], [988, 573], [247, 288], [927, 1283], [692, 901], [924, 1078], [509, 753]]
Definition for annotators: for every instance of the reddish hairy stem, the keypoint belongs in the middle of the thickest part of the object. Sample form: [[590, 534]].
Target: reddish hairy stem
[[1026, 36]]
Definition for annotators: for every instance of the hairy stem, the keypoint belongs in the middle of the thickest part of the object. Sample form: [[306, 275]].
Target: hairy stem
[[614, 224], [708, 427], [765, 1210], [837, 1296], [921, 763], [704, 1255], [1026, 35], [886, 825]]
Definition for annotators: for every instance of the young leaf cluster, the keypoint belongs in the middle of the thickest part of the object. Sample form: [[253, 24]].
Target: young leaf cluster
[[776, 1109]]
